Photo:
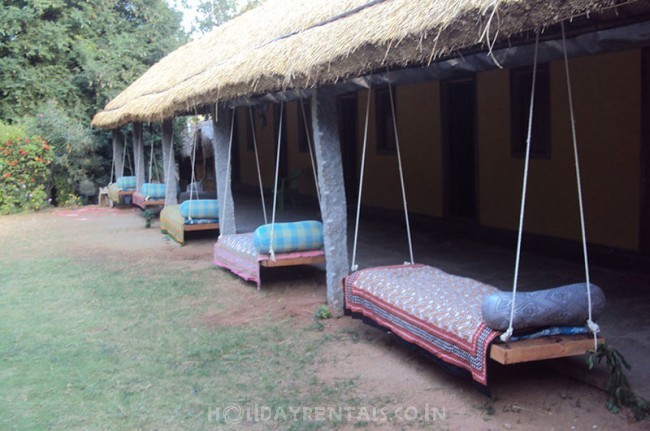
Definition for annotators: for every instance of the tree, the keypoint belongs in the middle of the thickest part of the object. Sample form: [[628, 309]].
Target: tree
[[62, 60], [213, 13], [79, 53]]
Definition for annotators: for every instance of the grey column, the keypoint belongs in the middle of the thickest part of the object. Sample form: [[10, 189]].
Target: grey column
[[332, 188], [138, 155], [118, 154], [169, 164], [220, 146]]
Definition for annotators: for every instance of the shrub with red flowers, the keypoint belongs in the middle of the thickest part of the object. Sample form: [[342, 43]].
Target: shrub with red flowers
[[24, 170]]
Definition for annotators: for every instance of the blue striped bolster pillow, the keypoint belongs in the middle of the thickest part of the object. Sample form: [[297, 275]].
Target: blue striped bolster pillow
[[126, 183], [288, 237], [153, 191], [200, 208]]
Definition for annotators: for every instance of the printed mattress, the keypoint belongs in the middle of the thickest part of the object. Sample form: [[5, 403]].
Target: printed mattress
[[238, 254], [425, 306]]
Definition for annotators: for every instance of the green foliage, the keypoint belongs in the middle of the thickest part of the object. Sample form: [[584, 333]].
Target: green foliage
[[80, 54], [323, 312], [75, 159], [213, 13], [149, 215], [77, 52], [24, 170], [618, 387]]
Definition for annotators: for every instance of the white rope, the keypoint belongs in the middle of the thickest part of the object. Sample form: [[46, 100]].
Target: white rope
[[170, 164], [506, 335], [228, 182], [193, 179], [593, 327], [275, 187], [311, 153], [123, 156], [401, 172], [151, 155], [113, 160], [363, 169], [257, 161]]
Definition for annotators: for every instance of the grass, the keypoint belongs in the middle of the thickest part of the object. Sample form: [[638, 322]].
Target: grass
[[84, 346]]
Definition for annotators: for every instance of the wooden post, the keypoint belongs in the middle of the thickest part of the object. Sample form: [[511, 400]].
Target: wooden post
[[138, 155], [118, 154], [220, 145], [169, 164], [332, 189]]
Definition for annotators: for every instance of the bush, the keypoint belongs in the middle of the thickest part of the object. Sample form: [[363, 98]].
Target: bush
[[24, 170], [75, 162]]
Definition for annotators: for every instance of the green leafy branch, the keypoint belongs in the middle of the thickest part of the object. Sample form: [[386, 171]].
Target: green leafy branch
[[620, 393]]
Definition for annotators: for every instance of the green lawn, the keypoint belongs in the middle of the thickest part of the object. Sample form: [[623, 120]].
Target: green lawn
[[83, 346]]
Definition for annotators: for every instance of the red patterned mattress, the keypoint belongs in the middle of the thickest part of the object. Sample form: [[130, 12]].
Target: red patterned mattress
[[425, 306]]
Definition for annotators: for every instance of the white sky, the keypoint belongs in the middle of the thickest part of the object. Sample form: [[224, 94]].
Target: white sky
[[189, 13]]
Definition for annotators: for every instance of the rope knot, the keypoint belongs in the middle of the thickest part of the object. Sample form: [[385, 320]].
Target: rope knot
[[506, 335], [593, 326], [354, 267]]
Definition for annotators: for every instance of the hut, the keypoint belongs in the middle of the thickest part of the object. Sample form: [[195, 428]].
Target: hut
[[457, 65]]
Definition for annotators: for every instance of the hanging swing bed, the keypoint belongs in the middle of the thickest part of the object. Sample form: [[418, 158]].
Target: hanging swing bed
[[273, 244], [151, 195], [121, 191], [192, 215], [460, 321]]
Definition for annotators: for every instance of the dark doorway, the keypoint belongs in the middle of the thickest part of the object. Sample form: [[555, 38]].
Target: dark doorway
[[644, 240], [459, 140], [348, 137]]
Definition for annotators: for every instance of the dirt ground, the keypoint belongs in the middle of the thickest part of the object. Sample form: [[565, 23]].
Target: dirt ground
[[528, 397]]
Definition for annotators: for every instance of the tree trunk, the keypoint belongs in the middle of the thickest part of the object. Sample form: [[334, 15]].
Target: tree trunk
[[332, 189], [169, 166], [118, 154], [221, 126], [138, 155]]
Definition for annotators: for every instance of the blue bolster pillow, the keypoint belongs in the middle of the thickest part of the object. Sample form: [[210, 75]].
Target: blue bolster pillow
[[153, 190], [560, 306], [200, 208], [126, 183], [288, 237]]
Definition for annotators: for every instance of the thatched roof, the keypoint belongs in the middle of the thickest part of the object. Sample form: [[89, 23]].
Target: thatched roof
[[304, 43]]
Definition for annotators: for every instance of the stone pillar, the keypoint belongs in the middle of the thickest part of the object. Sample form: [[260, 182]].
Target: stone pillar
[[169, 163], [332, 189], [118, 154], [221, 125], [138, 155]]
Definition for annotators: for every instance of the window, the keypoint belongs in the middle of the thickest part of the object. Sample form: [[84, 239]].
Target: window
[[520, 86], [304, 133], [385, 130]]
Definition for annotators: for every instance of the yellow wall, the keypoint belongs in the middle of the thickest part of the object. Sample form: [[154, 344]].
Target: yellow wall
[[264, 135], [418, 126], [296, 159], [607, 108], [606, 92]]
